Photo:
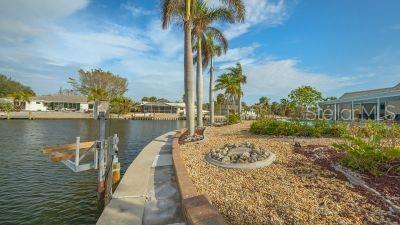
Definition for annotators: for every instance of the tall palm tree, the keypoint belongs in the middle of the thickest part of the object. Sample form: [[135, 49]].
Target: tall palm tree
[[213, 47], [229, 83], [203, 17], [213, 44], [180, 10]]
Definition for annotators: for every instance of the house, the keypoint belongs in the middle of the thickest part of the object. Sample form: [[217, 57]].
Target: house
[[163, 107], [59, 103], [376, 104]]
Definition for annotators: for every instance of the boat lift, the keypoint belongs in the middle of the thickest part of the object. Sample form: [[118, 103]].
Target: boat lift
[[105, 158]]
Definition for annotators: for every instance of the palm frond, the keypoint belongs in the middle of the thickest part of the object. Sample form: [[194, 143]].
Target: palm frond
[[172, 11]]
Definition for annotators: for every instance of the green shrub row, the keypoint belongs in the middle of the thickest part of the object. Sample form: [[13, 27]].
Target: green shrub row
[[318, 128]]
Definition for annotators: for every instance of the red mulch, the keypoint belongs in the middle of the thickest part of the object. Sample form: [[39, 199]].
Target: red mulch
[[387, 186]]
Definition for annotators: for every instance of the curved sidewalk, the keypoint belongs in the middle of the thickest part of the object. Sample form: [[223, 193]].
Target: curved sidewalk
[[147, 193]]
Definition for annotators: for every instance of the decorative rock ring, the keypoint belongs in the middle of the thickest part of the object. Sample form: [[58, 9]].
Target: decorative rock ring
[[244, 156]]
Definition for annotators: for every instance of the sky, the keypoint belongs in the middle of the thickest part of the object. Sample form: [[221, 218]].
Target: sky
[[334, 46]]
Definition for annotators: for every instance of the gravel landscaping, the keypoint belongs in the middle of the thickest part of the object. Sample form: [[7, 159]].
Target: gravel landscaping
[[293, 190]]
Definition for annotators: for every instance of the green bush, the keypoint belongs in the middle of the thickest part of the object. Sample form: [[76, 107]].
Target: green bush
[[318, 128], [370, 154], [6, 107], [233, 118]]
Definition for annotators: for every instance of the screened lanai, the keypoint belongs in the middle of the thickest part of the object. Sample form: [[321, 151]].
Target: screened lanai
[[377, 104]]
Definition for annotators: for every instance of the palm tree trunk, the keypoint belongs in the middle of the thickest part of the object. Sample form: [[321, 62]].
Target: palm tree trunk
[[199, 84], [240, 106], [211, 94], [188, 67], [227, 109]]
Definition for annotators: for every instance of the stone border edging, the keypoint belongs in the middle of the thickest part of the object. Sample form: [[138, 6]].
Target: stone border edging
[[196, 208], [244, 166], [357, 181]]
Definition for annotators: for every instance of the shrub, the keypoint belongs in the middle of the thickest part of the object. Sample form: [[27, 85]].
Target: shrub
[[372, 148], [367, 155], [296, 128], [233, 118], [6, 107]]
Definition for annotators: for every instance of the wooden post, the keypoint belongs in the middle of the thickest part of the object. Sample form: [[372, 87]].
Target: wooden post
[[78, 140], [102, 133]]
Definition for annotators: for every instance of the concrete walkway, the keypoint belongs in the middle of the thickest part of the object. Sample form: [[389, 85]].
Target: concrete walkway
[[147, 193]]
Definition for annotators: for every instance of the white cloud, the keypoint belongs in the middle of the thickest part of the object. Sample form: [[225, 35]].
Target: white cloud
[[137, 11], [266, 12], [39, 47], [21, 20], [237, 54], [276, 78]]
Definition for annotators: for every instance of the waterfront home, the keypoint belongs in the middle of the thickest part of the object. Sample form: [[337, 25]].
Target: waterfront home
[[163, 107], [376, 104], [59, 103]]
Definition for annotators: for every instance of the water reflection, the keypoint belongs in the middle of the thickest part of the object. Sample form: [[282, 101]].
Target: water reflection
[[34, 190]]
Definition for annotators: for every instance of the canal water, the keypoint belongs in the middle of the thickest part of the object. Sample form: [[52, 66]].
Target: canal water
[[34, 190]]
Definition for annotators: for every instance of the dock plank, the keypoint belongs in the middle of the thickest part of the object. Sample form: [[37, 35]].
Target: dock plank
[[67, 147]]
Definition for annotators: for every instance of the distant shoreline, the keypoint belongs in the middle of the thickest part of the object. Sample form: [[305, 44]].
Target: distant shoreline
[[54, 115]]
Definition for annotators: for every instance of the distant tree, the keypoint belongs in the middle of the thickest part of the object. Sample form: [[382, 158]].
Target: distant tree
[[97, 94], [330, 98], [97, 79], [19, 98], [66, 91], [286, 107], [220, 101], [305, 97], [121, 105], [9, 86], [229, 83], [275, 108], [162, 100], [153, 99], [7, 107], [264, 100]]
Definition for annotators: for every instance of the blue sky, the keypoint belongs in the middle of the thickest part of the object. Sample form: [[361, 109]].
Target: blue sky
[[335, 46]]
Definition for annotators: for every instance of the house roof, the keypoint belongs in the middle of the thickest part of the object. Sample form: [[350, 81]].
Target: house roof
[[61, 98], [367, 94]]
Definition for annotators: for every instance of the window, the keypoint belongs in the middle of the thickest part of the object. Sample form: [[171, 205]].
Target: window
[[37, 103]]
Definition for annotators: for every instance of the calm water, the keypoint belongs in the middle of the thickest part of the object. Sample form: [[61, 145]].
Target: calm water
[[33, 190]]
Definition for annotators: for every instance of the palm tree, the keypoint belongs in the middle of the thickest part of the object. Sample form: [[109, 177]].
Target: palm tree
[[220, 101], [230, 84], [214, 44], [180, 10], [20, 98], [264, 105], [240, 78], [203, 16], [97, 95]]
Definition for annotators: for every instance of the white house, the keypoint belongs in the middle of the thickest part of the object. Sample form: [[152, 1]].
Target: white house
[[377, 104], [161, 107], [59, 103]]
